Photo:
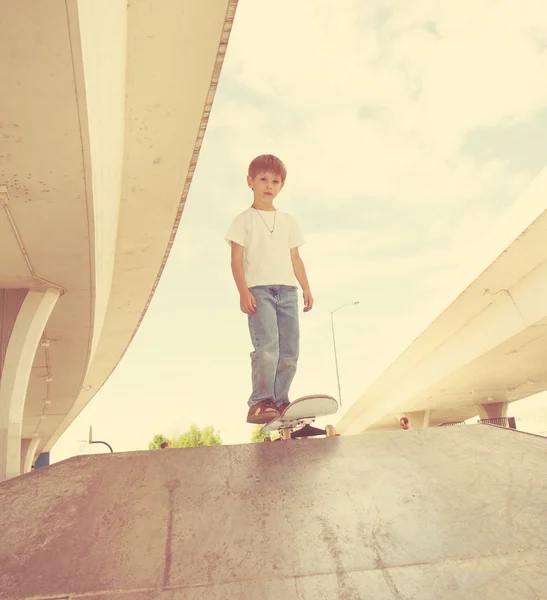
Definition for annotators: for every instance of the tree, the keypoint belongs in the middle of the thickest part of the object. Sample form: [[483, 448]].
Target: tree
[[198, 437], [157, 441], [192, 438], [259, 436]]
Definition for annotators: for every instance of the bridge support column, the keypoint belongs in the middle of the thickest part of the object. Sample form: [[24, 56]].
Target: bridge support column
[[418, 419], [492, 410], [28, 451], [22, 329]]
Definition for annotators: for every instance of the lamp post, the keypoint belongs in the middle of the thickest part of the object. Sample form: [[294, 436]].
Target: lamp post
[[334, 344]]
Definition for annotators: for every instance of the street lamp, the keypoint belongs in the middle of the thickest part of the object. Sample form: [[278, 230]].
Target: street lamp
[[334, 344]]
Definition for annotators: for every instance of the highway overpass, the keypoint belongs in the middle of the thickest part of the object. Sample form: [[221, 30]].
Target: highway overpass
[[103, 109], [488, 348]]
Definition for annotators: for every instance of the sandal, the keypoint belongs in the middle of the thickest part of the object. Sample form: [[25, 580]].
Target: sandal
[[262, 412]]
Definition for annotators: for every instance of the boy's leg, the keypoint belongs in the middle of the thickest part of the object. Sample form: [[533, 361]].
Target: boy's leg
[[289, 342], [265, 339]]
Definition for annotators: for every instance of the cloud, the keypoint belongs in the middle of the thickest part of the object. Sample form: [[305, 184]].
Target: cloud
[[386, 94]]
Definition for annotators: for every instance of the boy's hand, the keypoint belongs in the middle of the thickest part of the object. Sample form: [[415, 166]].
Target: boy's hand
[[247, 303], [308, 301]]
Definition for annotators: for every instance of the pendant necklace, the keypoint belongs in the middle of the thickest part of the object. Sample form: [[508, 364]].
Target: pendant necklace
[[265, 223]]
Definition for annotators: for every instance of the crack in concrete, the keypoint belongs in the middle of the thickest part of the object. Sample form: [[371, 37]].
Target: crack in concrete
[[168, 554]]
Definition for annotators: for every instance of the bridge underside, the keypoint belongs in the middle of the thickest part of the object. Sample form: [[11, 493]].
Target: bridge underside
[[103, 109], [487, 348]]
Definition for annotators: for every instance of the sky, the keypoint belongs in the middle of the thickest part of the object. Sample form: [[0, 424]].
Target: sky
[[408, 130]]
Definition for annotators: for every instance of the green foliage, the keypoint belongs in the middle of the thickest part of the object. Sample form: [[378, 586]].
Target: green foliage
[[157, 441], [192, 438], [259, 436], [198, 437]]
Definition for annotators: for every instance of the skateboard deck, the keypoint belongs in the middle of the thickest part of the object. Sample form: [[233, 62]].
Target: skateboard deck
[[296, 419]]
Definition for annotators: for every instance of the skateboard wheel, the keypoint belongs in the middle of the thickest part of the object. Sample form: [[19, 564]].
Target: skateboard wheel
[[268, 439], [330, 431], [286, 433]]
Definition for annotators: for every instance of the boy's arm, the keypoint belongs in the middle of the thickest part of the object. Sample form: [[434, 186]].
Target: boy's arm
[[247, 301], [300, 274]]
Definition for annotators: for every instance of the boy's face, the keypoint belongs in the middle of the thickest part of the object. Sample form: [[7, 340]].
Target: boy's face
[[265, 186]]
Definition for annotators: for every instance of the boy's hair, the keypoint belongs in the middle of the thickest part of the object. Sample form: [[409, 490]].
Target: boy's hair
[[268, 163]]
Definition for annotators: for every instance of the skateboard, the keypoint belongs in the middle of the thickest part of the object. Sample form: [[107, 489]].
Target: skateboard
[[296, 419]]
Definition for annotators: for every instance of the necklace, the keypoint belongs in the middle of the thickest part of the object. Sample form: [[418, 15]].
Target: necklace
[[275, 215]]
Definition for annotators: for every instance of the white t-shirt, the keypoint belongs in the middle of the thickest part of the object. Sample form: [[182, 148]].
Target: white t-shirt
[[266, 255]]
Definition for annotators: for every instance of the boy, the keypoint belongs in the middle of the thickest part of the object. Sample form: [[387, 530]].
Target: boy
[[265, 266]]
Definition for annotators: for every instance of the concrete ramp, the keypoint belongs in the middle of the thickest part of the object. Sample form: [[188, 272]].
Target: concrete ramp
[[435, 514]]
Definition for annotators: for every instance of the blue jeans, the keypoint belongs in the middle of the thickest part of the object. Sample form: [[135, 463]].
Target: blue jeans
[[275, 335]]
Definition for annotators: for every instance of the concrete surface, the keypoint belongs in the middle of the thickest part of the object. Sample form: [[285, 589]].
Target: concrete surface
[[440, 513]]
